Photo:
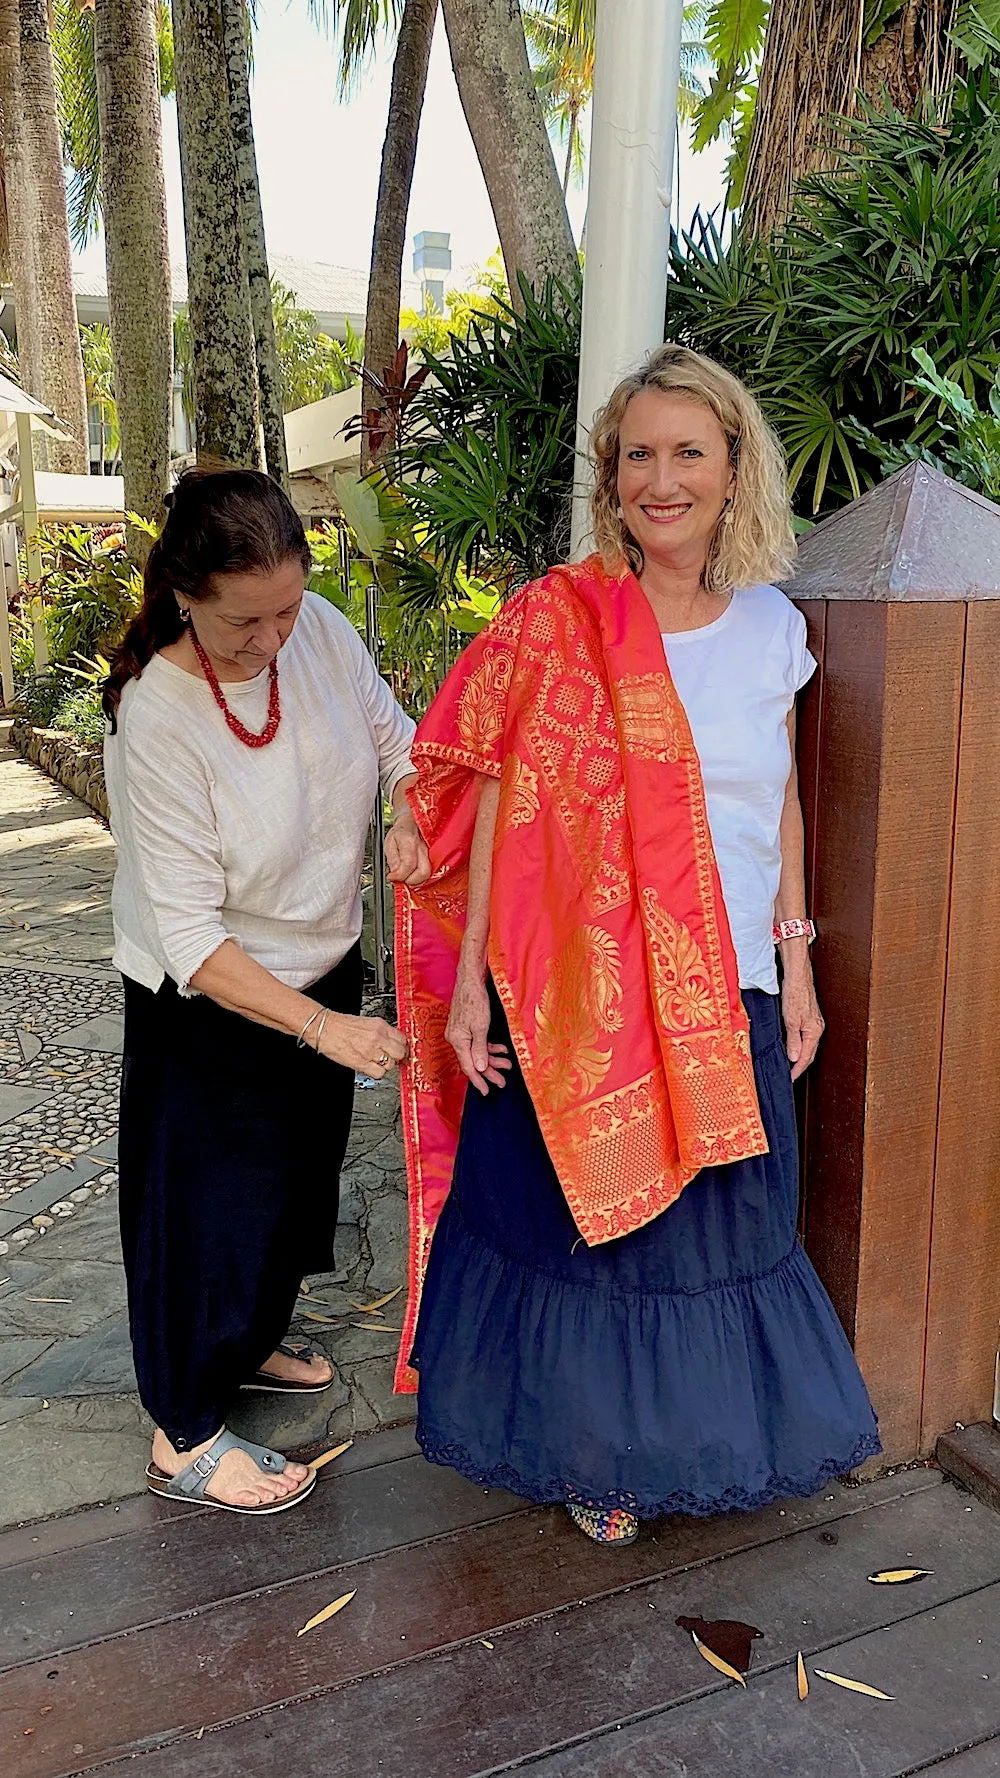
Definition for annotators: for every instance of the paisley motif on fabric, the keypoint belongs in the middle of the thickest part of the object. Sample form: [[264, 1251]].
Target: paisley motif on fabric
[[581, 1003], [519, 802], [682, 990], [652, 728], [432, 1057], [482, 704]]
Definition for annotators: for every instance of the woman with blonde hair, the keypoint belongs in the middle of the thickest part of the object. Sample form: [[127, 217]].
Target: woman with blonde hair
[[616, 1311]]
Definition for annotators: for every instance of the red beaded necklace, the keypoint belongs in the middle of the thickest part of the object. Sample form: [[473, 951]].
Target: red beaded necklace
[[233, 723]]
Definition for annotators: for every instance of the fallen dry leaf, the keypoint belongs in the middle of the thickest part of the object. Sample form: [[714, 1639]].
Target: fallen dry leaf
[[48, 1299], [716, 1661], [379, 1303], [199, 1734], [376, 1327], [328, 1611], [328, 1456], [309, 1315], [60, 1153], [896, 1577], [853, 1685], [729, 1638], [486, 1644], [803, 1678]]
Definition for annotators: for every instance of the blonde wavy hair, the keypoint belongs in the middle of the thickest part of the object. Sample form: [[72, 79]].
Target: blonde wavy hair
[[754, 540]]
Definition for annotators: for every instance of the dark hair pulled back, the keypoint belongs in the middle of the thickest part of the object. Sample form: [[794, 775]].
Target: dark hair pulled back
[[229, 521]]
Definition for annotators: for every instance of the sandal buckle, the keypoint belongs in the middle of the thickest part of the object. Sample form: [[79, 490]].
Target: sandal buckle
[[206, 1464]]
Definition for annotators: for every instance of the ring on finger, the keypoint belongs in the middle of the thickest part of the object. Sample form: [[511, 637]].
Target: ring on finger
[[383, 1061]]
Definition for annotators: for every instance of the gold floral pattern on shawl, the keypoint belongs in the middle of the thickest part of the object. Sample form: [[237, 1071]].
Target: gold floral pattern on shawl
[[682, 989], [519, 801], [432, 1057], [580, 1004], [653, 726], [482, 706], [570, 727]]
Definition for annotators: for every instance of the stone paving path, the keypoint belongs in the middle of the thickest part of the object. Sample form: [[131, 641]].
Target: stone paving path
[[72, 1430]]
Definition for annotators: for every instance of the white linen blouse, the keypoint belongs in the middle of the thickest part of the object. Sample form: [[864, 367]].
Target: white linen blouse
[[264, 845]]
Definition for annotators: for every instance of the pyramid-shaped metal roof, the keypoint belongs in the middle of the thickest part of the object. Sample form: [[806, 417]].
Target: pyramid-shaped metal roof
[[916, 536]]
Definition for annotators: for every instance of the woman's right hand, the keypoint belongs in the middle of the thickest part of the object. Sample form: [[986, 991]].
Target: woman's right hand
[[467, 1031], [369, 1046]]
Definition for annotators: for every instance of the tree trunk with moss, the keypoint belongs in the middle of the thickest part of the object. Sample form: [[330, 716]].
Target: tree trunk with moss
[[815, 64], [502, 108], [399, 152], [48, 337], [136, 250], [272, 409], [225, 362]]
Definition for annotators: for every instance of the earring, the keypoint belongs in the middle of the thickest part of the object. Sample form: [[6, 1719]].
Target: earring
[[183, 613]]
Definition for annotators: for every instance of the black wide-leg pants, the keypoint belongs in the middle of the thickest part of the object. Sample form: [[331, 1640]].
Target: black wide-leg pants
[[231, 1143]]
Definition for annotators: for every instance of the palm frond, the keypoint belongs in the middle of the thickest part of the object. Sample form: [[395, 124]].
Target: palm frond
[[76, 95]]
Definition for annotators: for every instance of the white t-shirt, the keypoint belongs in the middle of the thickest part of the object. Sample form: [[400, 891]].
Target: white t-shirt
[[218, 840], [737, 679]]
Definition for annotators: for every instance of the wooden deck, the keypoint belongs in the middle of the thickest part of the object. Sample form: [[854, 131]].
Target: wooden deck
[[486, 1636]]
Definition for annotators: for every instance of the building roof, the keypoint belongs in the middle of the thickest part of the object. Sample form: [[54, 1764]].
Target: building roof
[[330, 291]]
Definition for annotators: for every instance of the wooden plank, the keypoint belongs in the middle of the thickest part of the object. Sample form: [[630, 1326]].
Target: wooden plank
[[846, 831], [769, 1734], [808, 730], [47, 1537], [975, 1762], [925, 650], [473, 1709], [963, 1311], [51, 1605], [186, 1564]]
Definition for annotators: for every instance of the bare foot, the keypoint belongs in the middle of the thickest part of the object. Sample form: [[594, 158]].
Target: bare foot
[[314, 1369], [237, 1481]]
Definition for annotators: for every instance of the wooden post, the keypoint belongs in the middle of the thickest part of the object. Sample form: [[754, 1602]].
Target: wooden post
[[899, 761], [32, 552]]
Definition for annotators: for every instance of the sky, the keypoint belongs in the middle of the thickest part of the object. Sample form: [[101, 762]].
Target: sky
[[319, 154]]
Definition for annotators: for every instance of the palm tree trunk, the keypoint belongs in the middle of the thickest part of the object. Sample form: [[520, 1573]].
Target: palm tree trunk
[[136, 251], [570, 147], [814, 66], [490, 59], [225, 374], [272, 410], [399, 151], [42, 269]]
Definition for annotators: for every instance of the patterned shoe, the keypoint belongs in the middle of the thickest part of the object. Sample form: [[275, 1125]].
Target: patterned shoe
[[615, 1527]]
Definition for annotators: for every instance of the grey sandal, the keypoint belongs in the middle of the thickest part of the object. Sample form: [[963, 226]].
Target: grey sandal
[[192, 1481], [265, 1384]]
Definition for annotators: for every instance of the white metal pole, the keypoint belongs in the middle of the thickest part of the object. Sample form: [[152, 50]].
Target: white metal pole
[[636, 76]]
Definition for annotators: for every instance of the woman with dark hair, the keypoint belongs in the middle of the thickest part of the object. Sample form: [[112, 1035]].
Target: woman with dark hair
[[249, 732]]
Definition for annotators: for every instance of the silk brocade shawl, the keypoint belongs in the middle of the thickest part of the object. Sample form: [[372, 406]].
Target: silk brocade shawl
[[609, 943]]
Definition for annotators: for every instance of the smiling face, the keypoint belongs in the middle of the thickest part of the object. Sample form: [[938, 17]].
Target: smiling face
[[249, 618], [674, 475]]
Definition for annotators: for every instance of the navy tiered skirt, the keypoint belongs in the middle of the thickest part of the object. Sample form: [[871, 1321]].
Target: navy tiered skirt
[[695, 1366]]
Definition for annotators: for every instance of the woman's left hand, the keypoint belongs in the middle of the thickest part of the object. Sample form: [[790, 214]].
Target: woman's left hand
[[406, 851], [804, 1023]]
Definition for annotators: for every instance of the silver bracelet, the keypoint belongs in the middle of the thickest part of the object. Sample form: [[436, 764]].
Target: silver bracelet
[[300, 1041], [322, 1024]]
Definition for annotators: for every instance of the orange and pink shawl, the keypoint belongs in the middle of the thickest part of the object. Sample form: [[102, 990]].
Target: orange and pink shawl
[[609, 943]]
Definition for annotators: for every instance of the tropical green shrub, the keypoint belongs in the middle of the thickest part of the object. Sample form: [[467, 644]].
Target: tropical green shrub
[[425, 611], [897, 248], [89, 588], [969, 446], [89, 591], [488, 454]]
